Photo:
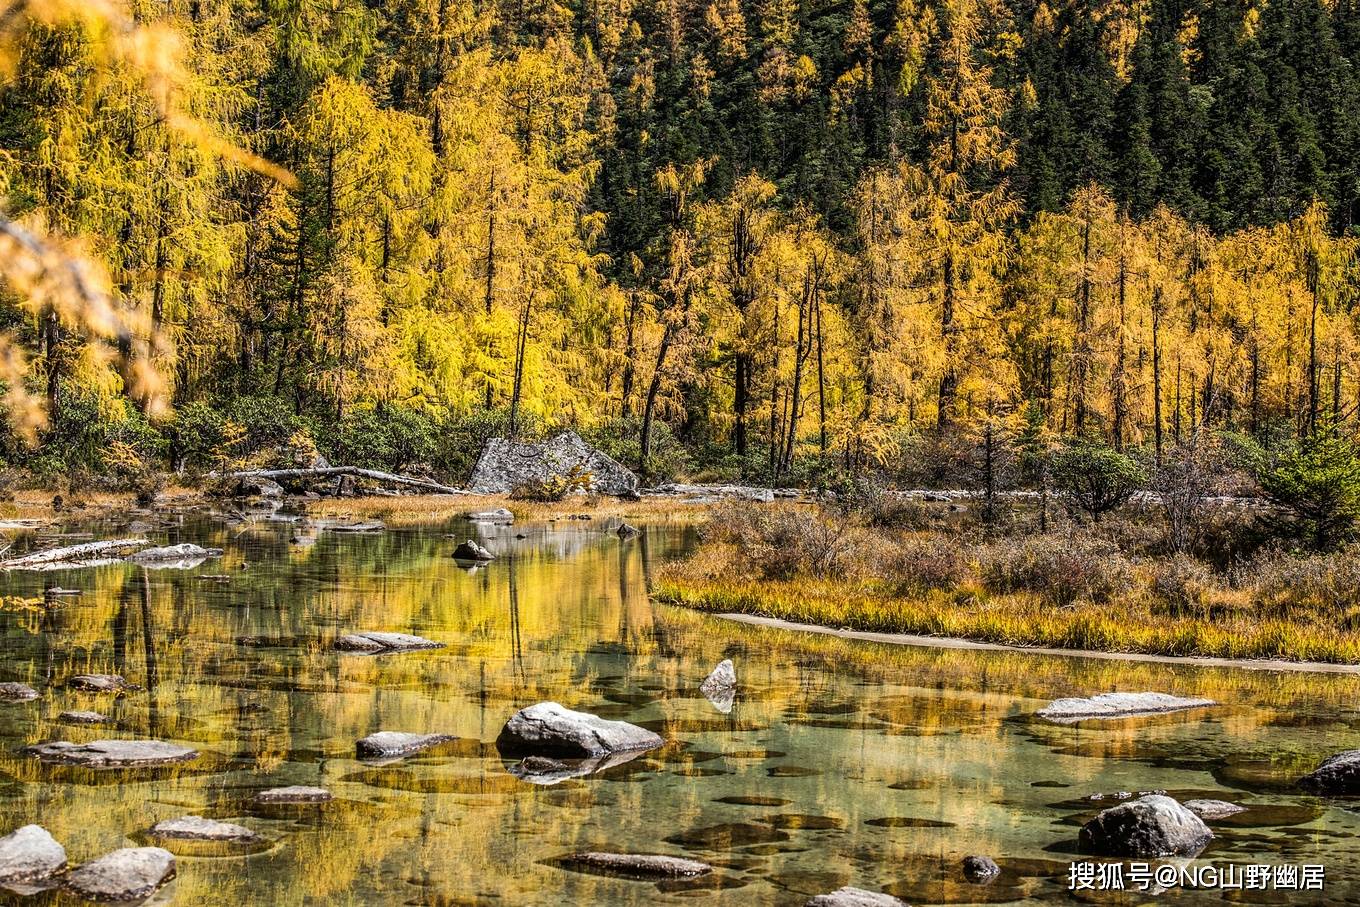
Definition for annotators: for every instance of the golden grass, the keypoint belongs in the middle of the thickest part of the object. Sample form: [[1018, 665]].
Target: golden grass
[[413, 510]]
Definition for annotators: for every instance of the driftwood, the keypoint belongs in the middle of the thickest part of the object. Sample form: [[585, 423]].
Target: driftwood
[[323, 472], [87, 551]]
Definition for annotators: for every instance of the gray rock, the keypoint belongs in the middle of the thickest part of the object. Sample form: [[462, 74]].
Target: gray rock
[[722, 677], [1151, 826], [376, 643], [506, 465], [637, 865], [854, 897], [1338, 775], [197, 828], [471, 551], [30, 854], [1209, 810], [113, 753], [17, 692], [182, 556], [499, 515], [626, 531], [1117, 705], [130, 874], [395, 744], [101, 683], [549, 728], [297, 793], [977, 868], [258, 487], [79, 717]]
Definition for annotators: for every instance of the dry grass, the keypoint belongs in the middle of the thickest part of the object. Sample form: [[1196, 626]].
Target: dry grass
[[415, 510]]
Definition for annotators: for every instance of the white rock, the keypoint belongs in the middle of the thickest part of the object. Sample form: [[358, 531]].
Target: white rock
[[1118, 705], [30, 854]]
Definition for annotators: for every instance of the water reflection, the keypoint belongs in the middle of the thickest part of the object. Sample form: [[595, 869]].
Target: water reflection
[[839, 762]]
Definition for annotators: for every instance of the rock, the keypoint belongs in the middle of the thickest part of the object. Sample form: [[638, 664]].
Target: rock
[[626, 531], [1209, 810], [854, 897], [130, 874], [395, 744], [720, 687], [370, 526], [471, 551], [1338, 775], [377, 643], [58, 592], [174, 557], [113, 753], [1151, 826], [977, 868], [77, 717], [257, 487], [506, 465], [30, 854], [17, 692], [1117, 705], [296, 793], [548, 728], [637, 865], [499, 515], [545, 771], [101, 683], [197, 828]]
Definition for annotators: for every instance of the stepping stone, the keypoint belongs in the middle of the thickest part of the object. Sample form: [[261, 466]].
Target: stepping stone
[[550, 729], [197, 828], [395, 744], [854, 897], [296, 793], [30, 854], [17, 692], [635, 865], [376, 643], [77, 717], [1118, 705], [471, 551], [101, 683], [113, 753], [720, 686], [130, 874], [1208, 810]]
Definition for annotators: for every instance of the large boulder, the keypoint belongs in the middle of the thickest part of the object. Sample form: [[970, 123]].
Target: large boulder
[[1151, 826], [1337, 776], [130, 874], [551, 729], [30, 854], [854, 897], [507, 465], [1118, 705]]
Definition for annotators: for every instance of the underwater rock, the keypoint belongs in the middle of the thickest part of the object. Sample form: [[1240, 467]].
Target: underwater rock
[[297, 793], [197, 828], [854, 897], [17, 692], [1118, 705], [113, 753], [30, 854], [1208, 810], [370, 642], [130, 874], [395, 744], [640, 866], [80, 717], [549, 728], [1151, 826]]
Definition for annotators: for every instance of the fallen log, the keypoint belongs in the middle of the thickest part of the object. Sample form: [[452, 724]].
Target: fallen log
[[325, 472], [86, 551]]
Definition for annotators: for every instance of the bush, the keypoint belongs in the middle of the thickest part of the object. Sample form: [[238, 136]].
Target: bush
[[1181, 585], [1288, 586], [622, 440], [555, 488], [779, 543], [1063, 568], [1319, 483], [921, 565], [1095, 478], [871, 503], [386, 437], [265, 422], [199, 437]]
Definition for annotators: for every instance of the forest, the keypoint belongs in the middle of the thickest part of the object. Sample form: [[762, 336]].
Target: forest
[[742, 238]]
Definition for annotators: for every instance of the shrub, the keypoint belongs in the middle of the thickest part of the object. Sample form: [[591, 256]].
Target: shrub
[[1181, 585], [266, 422], [871, 503], [1286, 585], [383, 437], [921, 565], [1063, 568], [1319, 483], [621, 438], [555, 488], [199, 437], [1095, 478], [778, 543]]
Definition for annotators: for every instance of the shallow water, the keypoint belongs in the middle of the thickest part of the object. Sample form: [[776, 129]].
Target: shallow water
[[842, 762]]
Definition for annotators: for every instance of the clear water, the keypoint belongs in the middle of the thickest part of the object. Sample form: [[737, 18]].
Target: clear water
[[842, 762]]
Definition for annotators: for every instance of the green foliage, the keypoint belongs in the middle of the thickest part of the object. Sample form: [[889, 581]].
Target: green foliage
[[1095, 478], [384, 437], [1319, 483], [620, 438]]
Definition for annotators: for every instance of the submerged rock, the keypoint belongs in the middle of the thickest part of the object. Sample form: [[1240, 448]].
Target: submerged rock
[[499, 515], [1337, 775], [375, 643], [548, 728], [17, 692], [505, 465], [637, 865], [395, 744], [113, 753], [977, 868], [130, 874], [1118, 705], [854, 897], [1151, 826], [30, 854], [101, 683], [297, 793], [1208, 810], [197, 828], [79, 717], [471, 551]]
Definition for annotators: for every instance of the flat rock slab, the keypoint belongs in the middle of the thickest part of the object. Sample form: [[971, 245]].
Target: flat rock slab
[[30, 854], [395, 744], [101, 683], [471, 551], [1209, 810], [17, 692], [185, 556], [113, 753], [551, 729], [297, 793], [1118, 705], [79, 717], [499, 515], [637, 865], [197, 828], [1151, 826], [854, 897], [377, 643], [130, 874]]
